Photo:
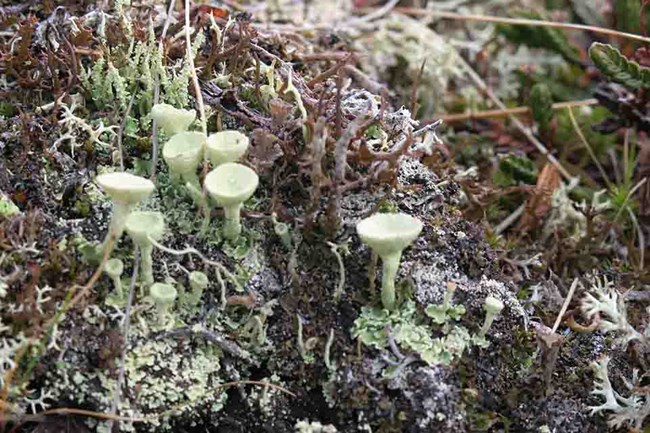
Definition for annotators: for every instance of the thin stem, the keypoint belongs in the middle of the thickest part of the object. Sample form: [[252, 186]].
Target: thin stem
[[390, 266], [120, 132], [120, 213], [156, 93], [517, 111], [565, 306], [232, 222], [190, 250], [517, 22], [489, 318], [117, 283], [586, 144], [190, 61], [125, 333], [146, 252]]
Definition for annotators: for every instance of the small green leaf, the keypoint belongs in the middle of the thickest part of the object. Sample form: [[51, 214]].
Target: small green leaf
[[541, 104], [618, 68]]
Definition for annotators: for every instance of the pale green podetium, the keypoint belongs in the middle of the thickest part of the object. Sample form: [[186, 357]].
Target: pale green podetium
[[388, 234], [226, 146], [183, 153], [163, 296], [230, 185], [172, 120], [142, 227], [126, 191], [493, 307], [114, 269], [198, 283]]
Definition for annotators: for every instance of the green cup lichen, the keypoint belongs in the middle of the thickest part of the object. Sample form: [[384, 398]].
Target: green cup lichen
[[388, 234], [198, 283], [141, 227], [226, 146], [231, 184], [164, 295], [114, 269], [493, 307], [183, 153], [172, 120], [126, 191]]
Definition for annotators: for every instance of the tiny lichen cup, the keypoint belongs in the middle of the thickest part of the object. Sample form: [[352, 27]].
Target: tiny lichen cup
[[388, 234], [492, 306], [183, 153], [164, 295], [172, 120], [114, 269], [226, 146], [126, 191], [198, 283], [142, 227], [230, 185]]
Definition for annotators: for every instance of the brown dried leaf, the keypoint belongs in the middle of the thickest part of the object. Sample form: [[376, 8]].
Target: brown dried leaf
[[265, 150], [539, 202]]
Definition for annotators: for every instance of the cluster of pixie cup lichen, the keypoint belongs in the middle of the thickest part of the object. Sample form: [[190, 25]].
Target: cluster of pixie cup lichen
[[229, 184]]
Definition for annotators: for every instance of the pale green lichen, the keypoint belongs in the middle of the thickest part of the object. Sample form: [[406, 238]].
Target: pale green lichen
[[410, 331], [7, 207], [163, 379], [446, 311]]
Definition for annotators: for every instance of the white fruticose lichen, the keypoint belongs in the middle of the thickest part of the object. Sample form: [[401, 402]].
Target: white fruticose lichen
[[630, 411], [306, 426], [603, 299]]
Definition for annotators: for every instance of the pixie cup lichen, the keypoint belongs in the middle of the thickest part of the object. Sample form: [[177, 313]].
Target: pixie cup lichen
[[114, 269], [226, 146], [163, 296], [493, 307], [172, 120], [198, 283], [126, 191], [142, 227], [388, 234], [230, 185], [183, 153]]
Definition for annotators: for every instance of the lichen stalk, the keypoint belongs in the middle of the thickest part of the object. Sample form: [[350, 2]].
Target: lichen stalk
[[489, 319], [390, 265], [121, 212], [232, 222], [117, 284], [146, 253]]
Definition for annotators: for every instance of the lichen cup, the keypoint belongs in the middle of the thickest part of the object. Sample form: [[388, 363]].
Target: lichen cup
[[388, 234], [183, 153], [230, 185], [226, 146]]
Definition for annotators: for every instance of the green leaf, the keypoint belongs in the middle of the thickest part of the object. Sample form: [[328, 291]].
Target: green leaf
[[617, 67], [539, 37], [541, 104]]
